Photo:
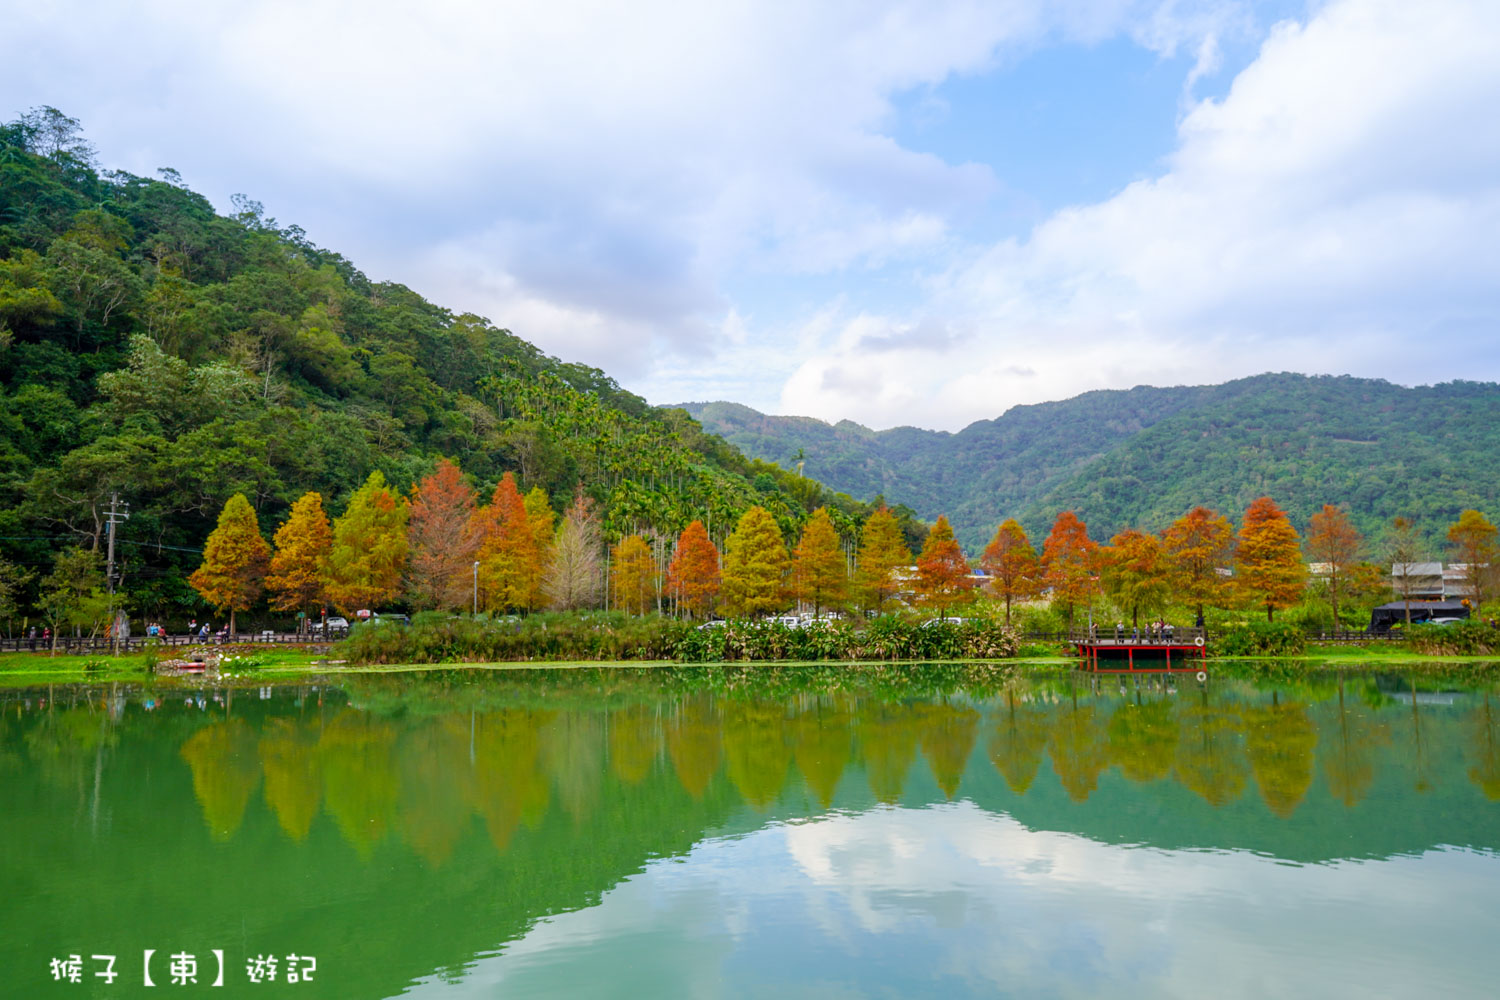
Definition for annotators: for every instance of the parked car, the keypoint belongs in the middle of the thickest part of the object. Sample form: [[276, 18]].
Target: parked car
[[392, 617], [716, 623], [1444, 621], [932, 622], [337, 623]]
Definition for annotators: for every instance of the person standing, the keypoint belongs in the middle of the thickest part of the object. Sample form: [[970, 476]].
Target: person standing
[[32, 637]]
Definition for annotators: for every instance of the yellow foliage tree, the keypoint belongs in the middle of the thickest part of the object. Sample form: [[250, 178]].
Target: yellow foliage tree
[[882, 551], [235, 559], [634, 575], [298, 564], [543, 524], [820, 576], [755, 565], [368, 556]]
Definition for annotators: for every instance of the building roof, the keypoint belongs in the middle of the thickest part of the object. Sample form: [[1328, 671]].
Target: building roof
[[1417, 569]]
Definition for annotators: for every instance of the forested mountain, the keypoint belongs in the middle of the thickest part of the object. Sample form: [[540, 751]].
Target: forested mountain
[[1141, 457], [153, 348]]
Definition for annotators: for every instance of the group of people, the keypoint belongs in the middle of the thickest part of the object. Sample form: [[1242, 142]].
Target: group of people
[[206, 630], [45, 637], [1157, 631]]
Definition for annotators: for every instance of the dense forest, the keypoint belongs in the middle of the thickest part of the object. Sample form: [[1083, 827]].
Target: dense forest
[[1142, 457], [154, 349]]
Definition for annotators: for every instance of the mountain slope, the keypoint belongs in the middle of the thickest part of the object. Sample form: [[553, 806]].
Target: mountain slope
[[154, 349], [1143, 456]]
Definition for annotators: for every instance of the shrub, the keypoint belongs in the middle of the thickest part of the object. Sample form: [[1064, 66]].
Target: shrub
[[1466, 638], [1259, 639], [617, 636]]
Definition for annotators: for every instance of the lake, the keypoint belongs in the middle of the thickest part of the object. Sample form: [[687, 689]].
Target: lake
[[744, 832]]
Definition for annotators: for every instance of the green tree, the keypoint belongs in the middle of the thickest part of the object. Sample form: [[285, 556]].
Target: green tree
[[755, 565], [235, 560], [73, 593], [368, 556], [882, 551]]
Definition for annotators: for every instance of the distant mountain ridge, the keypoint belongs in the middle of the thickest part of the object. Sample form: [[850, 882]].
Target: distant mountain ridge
[[1141, 457]]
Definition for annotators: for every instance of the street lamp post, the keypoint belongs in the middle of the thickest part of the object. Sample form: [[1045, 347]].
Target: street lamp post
[[476, 588]]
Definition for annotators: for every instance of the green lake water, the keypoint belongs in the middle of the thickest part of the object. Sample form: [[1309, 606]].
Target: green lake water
[[886, 832]]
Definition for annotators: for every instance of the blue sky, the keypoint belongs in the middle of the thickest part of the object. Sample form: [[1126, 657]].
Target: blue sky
[[891, 211]]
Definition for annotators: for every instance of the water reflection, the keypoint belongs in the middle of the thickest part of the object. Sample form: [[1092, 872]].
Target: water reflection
[[487, 805]]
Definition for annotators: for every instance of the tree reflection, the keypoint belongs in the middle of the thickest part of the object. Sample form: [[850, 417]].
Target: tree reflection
[[1017, 743], [294, 785], [1210, 760], [634, 740], [756, 754], [1349, 750], [694, 743], [1078, 749], [573, 756], [360, 779], [888, 747], [1143, 738], [1279, 741], [226, 772], [822, 738], [1485, 771], [948, 734], [508, 785], [437, 784]]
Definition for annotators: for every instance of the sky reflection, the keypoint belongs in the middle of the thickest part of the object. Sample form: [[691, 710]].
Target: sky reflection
[[952, 900]]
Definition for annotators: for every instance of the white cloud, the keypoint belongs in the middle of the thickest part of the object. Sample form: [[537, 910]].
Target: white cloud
[[591, 175], [1337, 211], [974, 903]]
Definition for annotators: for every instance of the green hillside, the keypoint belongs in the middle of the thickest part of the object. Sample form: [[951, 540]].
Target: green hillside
[[1143, 456], [153, 348]]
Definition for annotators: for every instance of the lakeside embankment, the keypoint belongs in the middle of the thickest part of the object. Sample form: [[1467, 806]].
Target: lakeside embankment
[[286, 665]]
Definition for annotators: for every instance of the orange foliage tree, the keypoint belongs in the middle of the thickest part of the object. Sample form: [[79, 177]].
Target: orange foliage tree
[[1011, 562], [882, 551], [633, 570], [1473, 540], [297, 566], [693, 575], [1332, 541], [1269, 558], [443, 538], [368, 556], [942, 571], [820, 576], [234, 560], [1070, 562], [1196, 546], [509, 564], [1133, 572]]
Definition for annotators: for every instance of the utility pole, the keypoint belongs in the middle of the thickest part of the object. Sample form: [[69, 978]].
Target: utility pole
[[118, 513]]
